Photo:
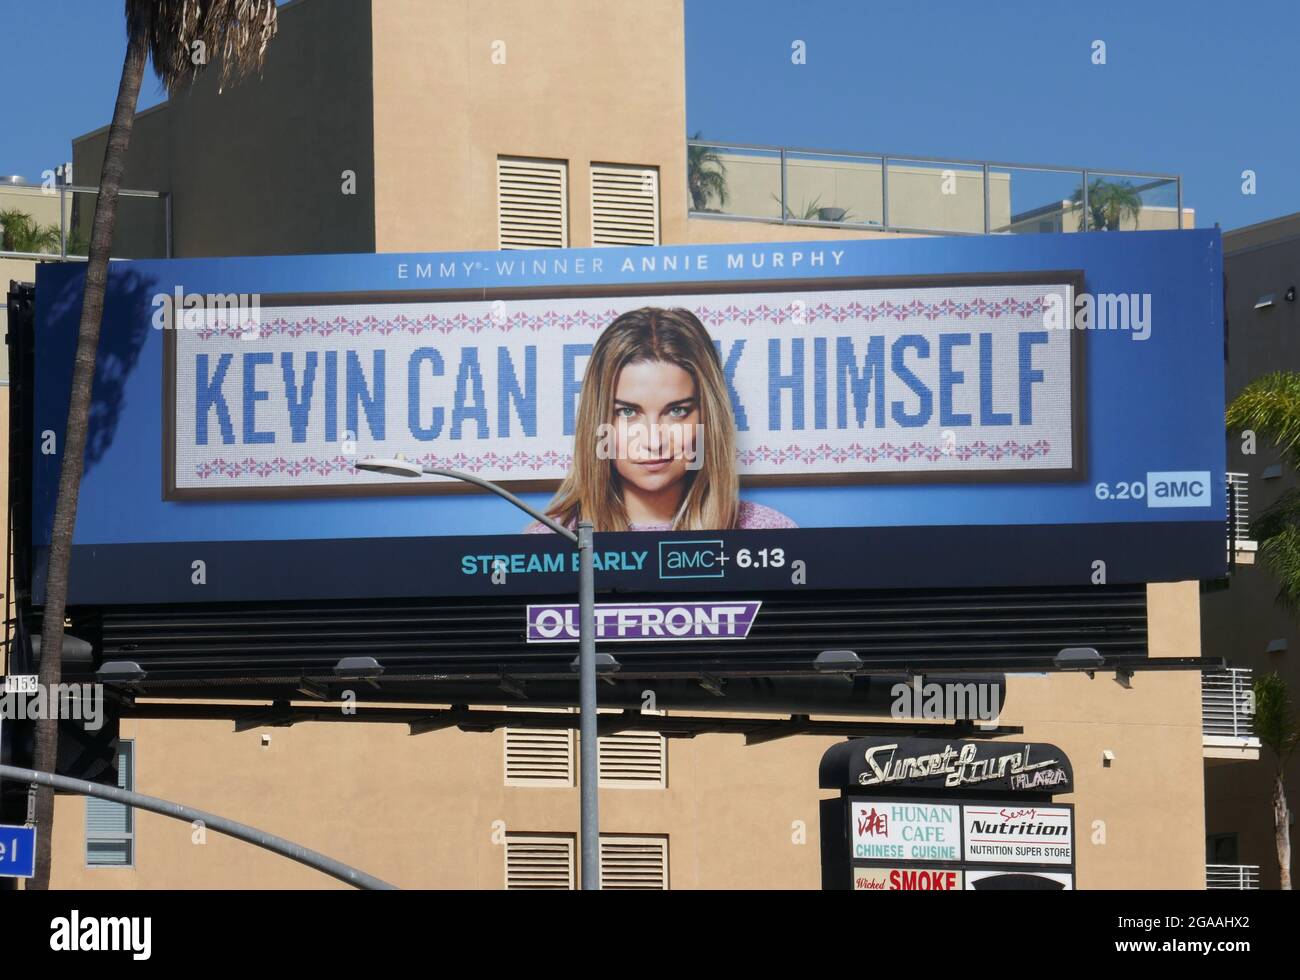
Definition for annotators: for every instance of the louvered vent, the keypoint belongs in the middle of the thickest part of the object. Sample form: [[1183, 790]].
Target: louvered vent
[[532, 203], [537, 862], [539, 756], [633, 863], [634, 760], [624, 205]]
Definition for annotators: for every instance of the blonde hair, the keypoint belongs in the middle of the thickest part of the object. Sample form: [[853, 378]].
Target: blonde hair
[[592, 488]]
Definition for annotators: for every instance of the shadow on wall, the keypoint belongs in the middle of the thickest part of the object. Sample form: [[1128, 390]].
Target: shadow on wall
[[128, 309]]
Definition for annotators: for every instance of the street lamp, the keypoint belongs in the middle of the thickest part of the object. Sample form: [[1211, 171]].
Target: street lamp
[[588, 762]]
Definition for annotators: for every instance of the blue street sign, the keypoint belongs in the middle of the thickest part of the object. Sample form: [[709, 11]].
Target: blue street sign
[[17, 852]]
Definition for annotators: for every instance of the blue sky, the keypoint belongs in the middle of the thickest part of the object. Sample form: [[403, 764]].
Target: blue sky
[[1199, 87]]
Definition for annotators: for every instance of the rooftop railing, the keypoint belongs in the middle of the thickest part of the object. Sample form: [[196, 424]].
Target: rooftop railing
[[921, 195], [48, 221]]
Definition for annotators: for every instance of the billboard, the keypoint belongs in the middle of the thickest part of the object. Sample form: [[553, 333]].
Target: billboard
[[743, 418]]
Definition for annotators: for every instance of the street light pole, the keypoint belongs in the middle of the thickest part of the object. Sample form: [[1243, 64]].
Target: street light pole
[[589, 763], [589, 756]]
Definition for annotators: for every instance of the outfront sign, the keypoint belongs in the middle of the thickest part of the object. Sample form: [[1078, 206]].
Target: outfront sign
[[982, 411], [641, 621]]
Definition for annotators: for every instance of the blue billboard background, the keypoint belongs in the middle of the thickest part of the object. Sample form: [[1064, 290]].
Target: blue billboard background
[[1152, 406]]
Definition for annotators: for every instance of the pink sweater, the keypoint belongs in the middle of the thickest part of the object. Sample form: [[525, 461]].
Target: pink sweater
[[750, 517]]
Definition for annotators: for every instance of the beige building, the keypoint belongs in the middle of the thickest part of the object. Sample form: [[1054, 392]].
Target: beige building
[[418, 125]]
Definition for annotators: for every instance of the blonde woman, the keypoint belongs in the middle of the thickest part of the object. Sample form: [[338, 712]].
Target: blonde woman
[[655, 446]]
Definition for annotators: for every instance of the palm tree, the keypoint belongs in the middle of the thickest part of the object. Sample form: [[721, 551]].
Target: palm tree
[[180, 36], [706, 175], [1275, 725], [19, 233], [1109, 203], [1270, 406]]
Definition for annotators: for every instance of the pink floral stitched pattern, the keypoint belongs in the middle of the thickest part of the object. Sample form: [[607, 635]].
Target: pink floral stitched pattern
[[549, 320], [751, 517]]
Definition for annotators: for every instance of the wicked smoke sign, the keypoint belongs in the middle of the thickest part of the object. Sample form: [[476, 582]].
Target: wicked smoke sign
[[906, 880], [926, 763]]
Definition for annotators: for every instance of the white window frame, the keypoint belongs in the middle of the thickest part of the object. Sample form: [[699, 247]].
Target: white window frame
[[129, 835]]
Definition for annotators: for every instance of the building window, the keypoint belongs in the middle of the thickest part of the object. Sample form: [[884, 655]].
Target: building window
[[532, 203], [1221, 849], [110, 827], [624, 205], [542, 862]]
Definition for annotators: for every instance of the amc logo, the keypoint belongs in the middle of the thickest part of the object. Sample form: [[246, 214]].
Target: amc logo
[[1186, 489], [691, 559]]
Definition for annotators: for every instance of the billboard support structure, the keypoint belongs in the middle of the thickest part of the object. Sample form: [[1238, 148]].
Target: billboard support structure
[[589, 772]]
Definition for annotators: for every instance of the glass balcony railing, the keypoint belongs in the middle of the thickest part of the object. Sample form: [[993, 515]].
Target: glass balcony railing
[[922, 195], [39, 221]]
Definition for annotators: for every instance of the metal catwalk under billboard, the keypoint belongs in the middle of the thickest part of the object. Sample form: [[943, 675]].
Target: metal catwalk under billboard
[[921, 413]]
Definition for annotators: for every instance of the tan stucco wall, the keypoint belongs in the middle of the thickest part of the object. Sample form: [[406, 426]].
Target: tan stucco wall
[[41, 205], [579, 82], [44, 210], [421, 811]]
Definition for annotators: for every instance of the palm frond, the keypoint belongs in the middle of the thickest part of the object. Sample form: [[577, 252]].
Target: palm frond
[[1270, 406], [1275, 723], [233, 32], [1280, 554], [19, 232]]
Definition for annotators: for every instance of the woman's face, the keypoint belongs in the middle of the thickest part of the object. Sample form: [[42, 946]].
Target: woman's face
[[656, 408]]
